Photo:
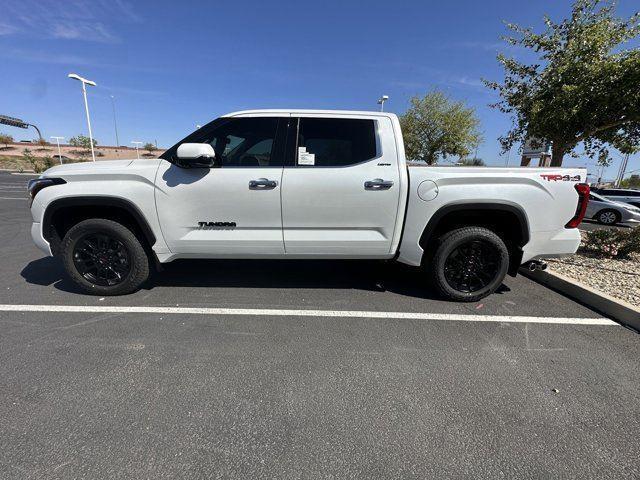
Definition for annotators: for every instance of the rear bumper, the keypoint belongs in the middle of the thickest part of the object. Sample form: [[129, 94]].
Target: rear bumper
[[38, 238], [557, 243]]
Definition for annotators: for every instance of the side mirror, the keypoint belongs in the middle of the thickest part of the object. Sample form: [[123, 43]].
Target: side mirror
[[196, 155]]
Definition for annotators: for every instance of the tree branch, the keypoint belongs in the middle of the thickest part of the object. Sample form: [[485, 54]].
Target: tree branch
[[590, 133]]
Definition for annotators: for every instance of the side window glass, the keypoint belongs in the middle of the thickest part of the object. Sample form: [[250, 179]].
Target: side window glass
[[335, 142], [245, 142]]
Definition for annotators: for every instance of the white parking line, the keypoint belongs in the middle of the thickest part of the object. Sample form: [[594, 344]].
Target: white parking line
[[261, 312], [13, 198]]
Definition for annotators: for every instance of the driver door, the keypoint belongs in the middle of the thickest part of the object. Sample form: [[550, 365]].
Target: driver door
[[233, 208]]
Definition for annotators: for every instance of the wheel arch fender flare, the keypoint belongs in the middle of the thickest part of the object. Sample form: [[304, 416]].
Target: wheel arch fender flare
[[468, 207], [97, 201]]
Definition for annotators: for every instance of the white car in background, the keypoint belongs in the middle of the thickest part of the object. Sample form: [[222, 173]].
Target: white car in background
[[623, 195], [608, 212]]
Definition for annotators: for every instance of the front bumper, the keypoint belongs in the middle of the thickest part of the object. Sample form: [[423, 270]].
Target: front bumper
[[38, 238], [631, 217]]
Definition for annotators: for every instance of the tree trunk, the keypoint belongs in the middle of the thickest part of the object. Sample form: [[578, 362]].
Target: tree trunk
[[557, 154]]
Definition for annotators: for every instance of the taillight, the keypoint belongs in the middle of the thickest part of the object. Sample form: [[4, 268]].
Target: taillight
[[581, 209]]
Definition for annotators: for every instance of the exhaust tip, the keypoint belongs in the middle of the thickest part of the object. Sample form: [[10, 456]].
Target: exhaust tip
[[536, 265]]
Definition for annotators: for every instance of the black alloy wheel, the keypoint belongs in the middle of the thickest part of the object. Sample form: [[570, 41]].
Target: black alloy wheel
[[105, 257], [101, 259], [468, 263], [472, 266]]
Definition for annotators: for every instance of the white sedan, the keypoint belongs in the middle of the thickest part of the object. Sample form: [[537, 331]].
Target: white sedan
[[608, 212]]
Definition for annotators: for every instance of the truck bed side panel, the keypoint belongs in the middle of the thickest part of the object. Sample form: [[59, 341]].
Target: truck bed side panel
[[546, 196]]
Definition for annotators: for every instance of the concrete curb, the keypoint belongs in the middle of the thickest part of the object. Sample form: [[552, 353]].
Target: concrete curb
[[15, 171], [616, 309]]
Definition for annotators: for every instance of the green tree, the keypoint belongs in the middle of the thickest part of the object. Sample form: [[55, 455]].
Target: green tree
[[435, 126], [83, 143], [6, 139], [632, 182], [584, 88], [149, 147]]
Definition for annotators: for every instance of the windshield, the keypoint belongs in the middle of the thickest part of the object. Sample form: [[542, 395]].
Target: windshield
[[595, 196]]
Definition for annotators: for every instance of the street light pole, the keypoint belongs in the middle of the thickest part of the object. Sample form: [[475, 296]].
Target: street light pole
[[57, 139], [115, 124], [621, 172], [381, 101], [86, 82], [137, 144]]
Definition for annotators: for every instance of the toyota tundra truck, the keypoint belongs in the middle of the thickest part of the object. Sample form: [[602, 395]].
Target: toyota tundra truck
[[303, 184]]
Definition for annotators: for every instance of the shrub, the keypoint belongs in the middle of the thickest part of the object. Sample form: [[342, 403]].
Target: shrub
[[33, 160], [42, 143], [612, 243], [6, 139], [39, 165]]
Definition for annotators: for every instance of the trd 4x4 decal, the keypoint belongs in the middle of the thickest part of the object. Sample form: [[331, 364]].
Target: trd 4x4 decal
[[555, 177]]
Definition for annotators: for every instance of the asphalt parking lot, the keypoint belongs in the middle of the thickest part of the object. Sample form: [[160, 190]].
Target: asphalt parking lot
[[238, 369]]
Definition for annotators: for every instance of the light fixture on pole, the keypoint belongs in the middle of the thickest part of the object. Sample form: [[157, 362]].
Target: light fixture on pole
[[57, 139], [86, 82], [137, 144], [381, 101], [115, 124]]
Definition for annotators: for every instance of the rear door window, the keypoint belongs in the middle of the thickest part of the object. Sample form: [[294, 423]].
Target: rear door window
[[335, 142]]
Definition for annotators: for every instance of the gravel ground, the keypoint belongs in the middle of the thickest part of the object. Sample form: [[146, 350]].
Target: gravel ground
[[618, 278]]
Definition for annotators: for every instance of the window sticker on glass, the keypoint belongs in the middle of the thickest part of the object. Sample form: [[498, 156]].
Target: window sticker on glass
[[305, 158]]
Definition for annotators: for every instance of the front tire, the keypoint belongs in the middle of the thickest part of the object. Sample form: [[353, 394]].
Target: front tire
[[608, 217], [469, 263], [104, 257]]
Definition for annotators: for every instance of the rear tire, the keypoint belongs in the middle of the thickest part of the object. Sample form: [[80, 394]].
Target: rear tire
[[469, 263], [608, 217], [104, 257]]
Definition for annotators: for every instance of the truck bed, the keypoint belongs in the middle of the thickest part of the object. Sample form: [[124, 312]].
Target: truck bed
[[546, 197]]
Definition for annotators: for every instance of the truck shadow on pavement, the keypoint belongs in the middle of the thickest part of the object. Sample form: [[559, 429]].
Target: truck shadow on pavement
[[311, 274]]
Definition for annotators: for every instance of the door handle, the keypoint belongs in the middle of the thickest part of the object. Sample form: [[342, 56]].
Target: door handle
[[262, 184], [378, 184]]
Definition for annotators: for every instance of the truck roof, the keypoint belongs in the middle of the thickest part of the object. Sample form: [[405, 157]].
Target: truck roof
[[287, 111]]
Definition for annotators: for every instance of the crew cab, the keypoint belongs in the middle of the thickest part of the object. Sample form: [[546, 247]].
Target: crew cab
[[293, 184]]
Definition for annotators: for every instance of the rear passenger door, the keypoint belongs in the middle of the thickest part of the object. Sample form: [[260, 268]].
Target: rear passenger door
[[340, 188]]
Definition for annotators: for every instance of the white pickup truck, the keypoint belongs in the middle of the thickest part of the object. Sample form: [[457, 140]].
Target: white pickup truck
[[292, 184]]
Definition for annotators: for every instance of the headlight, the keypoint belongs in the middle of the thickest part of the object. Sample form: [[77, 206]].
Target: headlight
[[38, 184]]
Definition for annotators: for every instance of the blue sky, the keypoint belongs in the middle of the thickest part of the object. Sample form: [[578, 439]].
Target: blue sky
[[172, 65]]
